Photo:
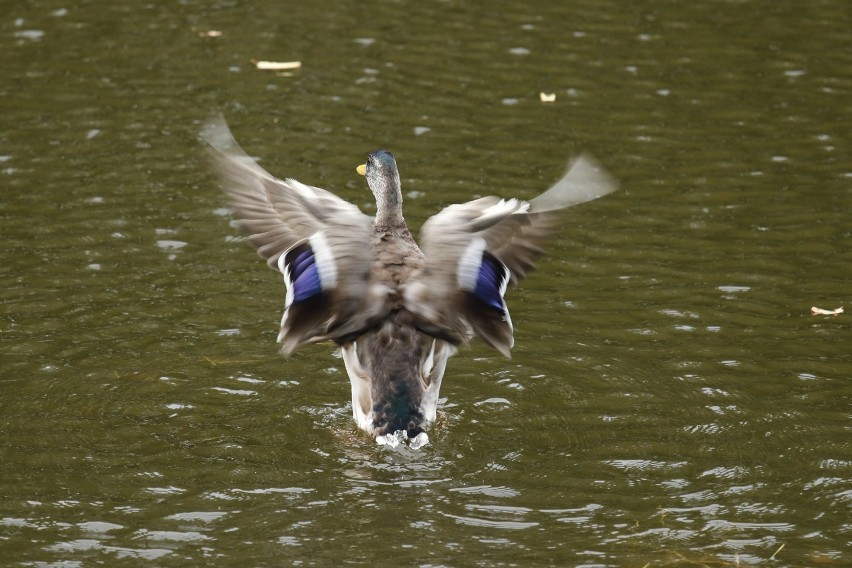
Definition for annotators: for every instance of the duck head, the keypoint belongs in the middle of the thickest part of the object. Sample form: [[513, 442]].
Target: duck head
[[383, 180]]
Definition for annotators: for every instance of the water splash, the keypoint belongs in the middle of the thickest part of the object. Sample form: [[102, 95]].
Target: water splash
[[400, 437]]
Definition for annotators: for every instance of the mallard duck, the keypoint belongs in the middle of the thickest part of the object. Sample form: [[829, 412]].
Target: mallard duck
[[397, 310]]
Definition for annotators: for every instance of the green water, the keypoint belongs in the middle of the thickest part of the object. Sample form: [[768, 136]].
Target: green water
[[670, 400]]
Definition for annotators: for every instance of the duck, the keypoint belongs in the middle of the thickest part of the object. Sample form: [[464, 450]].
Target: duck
[[396, 309]]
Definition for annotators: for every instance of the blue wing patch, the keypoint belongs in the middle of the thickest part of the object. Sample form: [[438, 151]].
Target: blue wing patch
[[491, 282], [300, 273]]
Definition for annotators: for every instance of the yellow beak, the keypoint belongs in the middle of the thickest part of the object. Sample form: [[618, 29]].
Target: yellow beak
[[362, 169]]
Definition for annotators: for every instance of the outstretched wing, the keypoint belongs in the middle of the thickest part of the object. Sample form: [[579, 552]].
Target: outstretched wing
[[314, 238], [475, 250]]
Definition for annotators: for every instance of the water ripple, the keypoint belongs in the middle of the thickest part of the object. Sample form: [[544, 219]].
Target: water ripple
[[478, 522]]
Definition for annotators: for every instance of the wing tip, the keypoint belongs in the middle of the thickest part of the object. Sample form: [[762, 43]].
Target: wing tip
[[584, 180]]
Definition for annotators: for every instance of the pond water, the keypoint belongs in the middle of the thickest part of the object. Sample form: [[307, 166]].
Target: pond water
[[671, 401]]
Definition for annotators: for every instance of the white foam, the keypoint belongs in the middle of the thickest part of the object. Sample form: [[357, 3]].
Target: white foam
[[400, 437], [419, 441]]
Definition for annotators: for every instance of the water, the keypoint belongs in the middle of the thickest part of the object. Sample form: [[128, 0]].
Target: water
[[670, 400]]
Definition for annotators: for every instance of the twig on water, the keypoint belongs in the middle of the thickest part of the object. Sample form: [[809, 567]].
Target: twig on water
[[777, 551]]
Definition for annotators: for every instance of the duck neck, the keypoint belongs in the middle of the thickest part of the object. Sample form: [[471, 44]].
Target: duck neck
[[389, 205]]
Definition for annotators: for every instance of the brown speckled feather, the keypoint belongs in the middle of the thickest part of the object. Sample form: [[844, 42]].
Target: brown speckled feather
[[510, 231], [396, 311], [278, 215]]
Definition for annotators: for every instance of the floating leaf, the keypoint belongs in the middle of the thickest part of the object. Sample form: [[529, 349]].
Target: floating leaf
[[277, 65], [815, 311]]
